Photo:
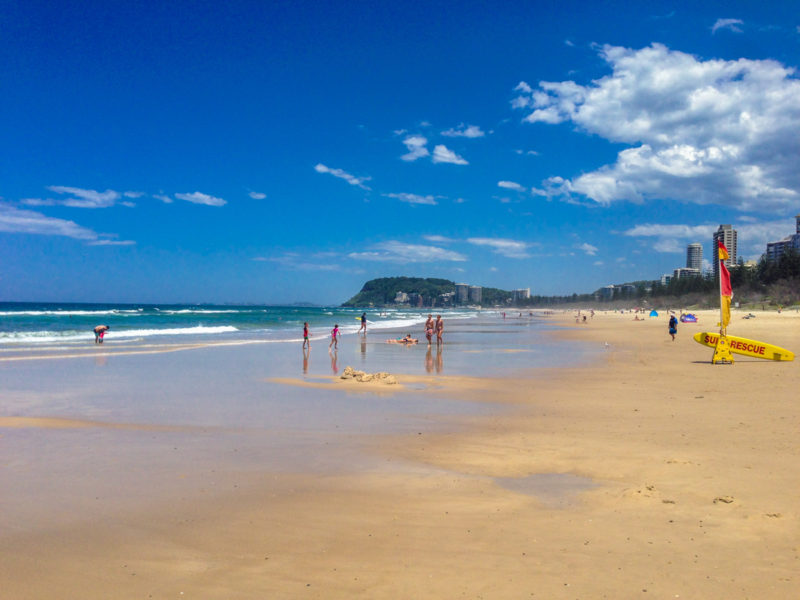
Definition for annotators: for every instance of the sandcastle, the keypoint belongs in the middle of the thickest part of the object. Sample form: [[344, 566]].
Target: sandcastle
[[361, 376]]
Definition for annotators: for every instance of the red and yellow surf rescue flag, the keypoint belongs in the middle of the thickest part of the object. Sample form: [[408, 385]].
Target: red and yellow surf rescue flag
[[725, 290], [722, 251]]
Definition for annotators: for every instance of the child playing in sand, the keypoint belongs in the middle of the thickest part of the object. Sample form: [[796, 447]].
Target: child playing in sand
[[334, 337]]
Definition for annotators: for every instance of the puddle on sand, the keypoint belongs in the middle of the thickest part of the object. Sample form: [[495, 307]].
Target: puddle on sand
[[555, 490]]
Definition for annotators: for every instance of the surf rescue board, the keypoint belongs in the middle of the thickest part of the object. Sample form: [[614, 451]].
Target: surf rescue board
[[746, 347]]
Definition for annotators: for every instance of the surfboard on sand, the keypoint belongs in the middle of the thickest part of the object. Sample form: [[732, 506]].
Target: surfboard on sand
[[746, 347]]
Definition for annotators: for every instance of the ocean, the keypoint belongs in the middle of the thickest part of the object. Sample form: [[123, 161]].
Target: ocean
[[184, 401], [71, 325]]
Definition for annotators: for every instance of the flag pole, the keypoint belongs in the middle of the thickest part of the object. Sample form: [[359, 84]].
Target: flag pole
[[722, 328], [722, 351]]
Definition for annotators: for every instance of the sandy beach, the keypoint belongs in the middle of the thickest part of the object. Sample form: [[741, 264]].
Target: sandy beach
[[649, 473]]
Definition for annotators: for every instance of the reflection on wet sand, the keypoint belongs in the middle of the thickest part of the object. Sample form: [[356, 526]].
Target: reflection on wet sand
[[429, 360], [305, 360]]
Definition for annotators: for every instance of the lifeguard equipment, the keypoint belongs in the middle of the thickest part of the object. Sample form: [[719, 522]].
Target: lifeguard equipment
[[743, 346]]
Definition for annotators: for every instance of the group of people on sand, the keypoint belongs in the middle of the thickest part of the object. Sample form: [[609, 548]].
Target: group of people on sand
[[434, 327], [431, 328]]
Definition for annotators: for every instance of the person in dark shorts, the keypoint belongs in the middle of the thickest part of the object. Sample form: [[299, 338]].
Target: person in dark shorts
[[673, 326], [363, 323]]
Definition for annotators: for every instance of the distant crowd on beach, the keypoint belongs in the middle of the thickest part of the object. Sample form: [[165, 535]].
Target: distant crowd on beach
[[432, 328]]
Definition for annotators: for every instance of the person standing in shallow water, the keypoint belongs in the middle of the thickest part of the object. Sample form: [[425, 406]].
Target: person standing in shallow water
[[99, 333], [334, 337], [439, 329], [429, 329], [363, 323], [306, 336], [673, 326]]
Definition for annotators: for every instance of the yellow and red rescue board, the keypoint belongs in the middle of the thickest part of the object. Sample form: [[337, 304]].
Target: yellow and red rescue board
[[746, 347]]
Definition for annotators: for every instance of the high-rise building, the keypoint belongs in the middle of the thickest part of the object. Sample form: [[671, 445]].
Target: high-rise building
[[685, 272], [462, 293], [521, 294], [475, 293], [775, 250], [694, 256], [728, 236]]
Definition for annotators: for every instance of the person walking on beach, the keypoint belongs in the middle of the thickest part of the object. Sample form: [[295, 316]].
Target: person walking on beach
[[99, 332], [673, 326], [363, 323], [334, 337], [429, 329], [439, 329], [306, 336]]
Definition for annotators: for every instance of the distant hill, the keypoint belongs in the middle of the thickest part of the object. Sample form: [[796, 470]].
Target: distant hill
[[382, 291]]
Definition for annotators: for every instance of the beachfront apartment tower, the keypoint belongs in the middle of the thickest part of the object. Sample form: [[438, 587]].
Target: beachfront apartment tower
[[694, 256], [728, 236], [475, 293], [521, 294], [776, 250], [462, 293]]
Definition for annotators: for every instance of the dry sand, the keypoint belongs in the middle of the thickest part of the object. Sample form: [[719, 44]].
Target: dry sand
[[652, 474]]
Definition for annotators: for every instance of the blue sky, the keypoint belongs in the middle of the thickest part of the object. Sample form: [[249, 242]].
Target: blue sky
[[275, 152]]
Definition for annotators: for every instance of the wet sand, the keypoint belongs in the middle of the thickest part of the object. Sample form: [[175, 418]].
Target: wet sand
[[650, 473]]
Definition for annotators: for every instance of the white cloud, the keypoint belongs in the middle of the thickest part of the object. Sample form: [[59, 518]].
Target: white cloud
[[394, 251], [133, 195], [752, 237], [502, 246], [38, 202], [441, 154], [438, 239], [527, 152], [351, 179], [700, 131], [413, 198], [511, 185], [672, 238], [730, 24], [295, 262], [15, 220], [694, 232], [201, 198], [164, 198], [257, 195], [467, 131], [523, 87], [112, 243], [81, 198], [416, 147], [588, 248], [598, 263]]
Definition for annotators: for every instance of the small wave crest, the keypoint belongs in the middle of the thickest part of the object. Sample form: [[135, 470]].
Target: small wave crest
[[37, 337]]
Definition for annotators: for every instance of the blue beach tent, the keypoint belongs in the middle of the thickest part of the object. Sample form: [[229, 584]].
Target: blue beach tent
[[653, 313]]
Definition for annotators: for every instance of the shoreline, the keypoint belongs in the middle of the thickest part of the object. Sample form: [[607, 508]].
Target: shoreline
[[694, 473]]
